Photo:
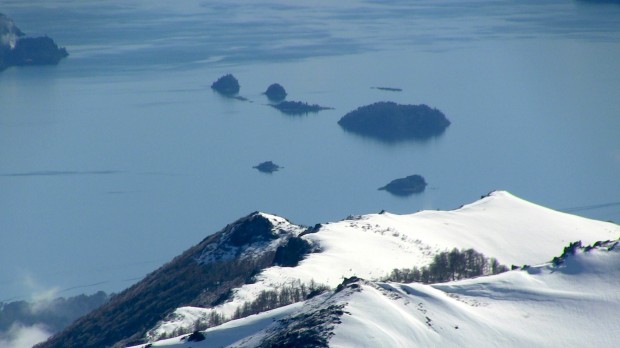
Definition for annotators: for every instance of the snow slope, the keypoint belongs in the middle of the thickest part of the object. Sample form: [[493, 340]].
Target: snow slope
[[575, 304], [499, 225]]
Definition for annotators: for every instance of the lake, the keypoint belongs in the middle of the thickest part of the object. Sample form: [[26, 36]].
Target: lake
[[121, 157]]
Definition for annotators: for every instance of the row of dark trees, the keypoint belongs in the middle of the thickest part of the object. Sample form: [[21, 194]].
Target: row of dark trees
[[449, 265], [265, 301], [285, 295]]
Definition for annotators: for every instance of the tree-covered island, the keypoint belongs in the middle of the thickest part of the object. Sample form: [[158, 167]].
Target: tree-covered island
[[298, 108], [18, 49], [227, 85], [275, 92], [388, 121], [406, 186]]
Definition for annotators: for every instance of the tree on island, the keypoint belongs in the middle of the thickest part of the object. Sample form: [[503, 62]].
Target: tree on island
[[406, 186], [389, 121], [226, 85], [275, 92]]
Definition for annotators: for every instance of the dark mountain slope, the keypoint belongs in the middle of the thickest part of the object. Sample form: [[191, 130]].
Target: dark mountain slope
[[198, 277]]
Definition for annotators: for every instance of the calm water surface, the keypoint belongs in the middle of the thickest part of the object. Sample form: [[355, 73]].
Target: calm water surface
[[121, 157]]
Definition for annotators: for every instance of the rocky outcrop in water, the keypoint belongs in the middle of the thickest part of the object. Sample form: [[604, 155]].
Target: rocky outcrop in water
[[406, 186], [267, 167], [17, 49]]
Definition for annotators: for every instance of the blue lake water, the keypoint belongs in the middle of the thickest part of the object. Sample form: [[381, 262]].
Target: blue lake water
[[121, 157]]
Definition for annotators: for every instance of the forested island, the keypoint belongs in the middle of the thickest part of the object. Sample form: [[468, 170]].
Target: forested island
[[298, 108], [391, 122], [275, 92], [226, 85], [17, 49], [406, 186]]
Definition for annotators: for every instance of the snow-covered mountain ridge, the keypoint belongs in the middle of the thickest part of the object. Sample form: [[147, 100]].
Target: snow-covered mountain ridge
[[263, 261], [572, 304], [500, 225]]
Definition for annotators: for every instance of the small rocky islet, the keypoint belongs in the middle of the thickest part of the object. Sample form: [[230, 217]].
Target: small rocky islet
[[267, 167], [406, 186], [228, 86], [385, 121]]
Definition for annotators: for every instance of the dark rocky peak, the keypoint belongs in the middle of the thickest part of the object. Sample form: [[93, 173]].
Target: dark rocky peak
[[310, 230], [572, 248], [251, 229], [196, 336], [253, 235], [353, 283], [289, 254]]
